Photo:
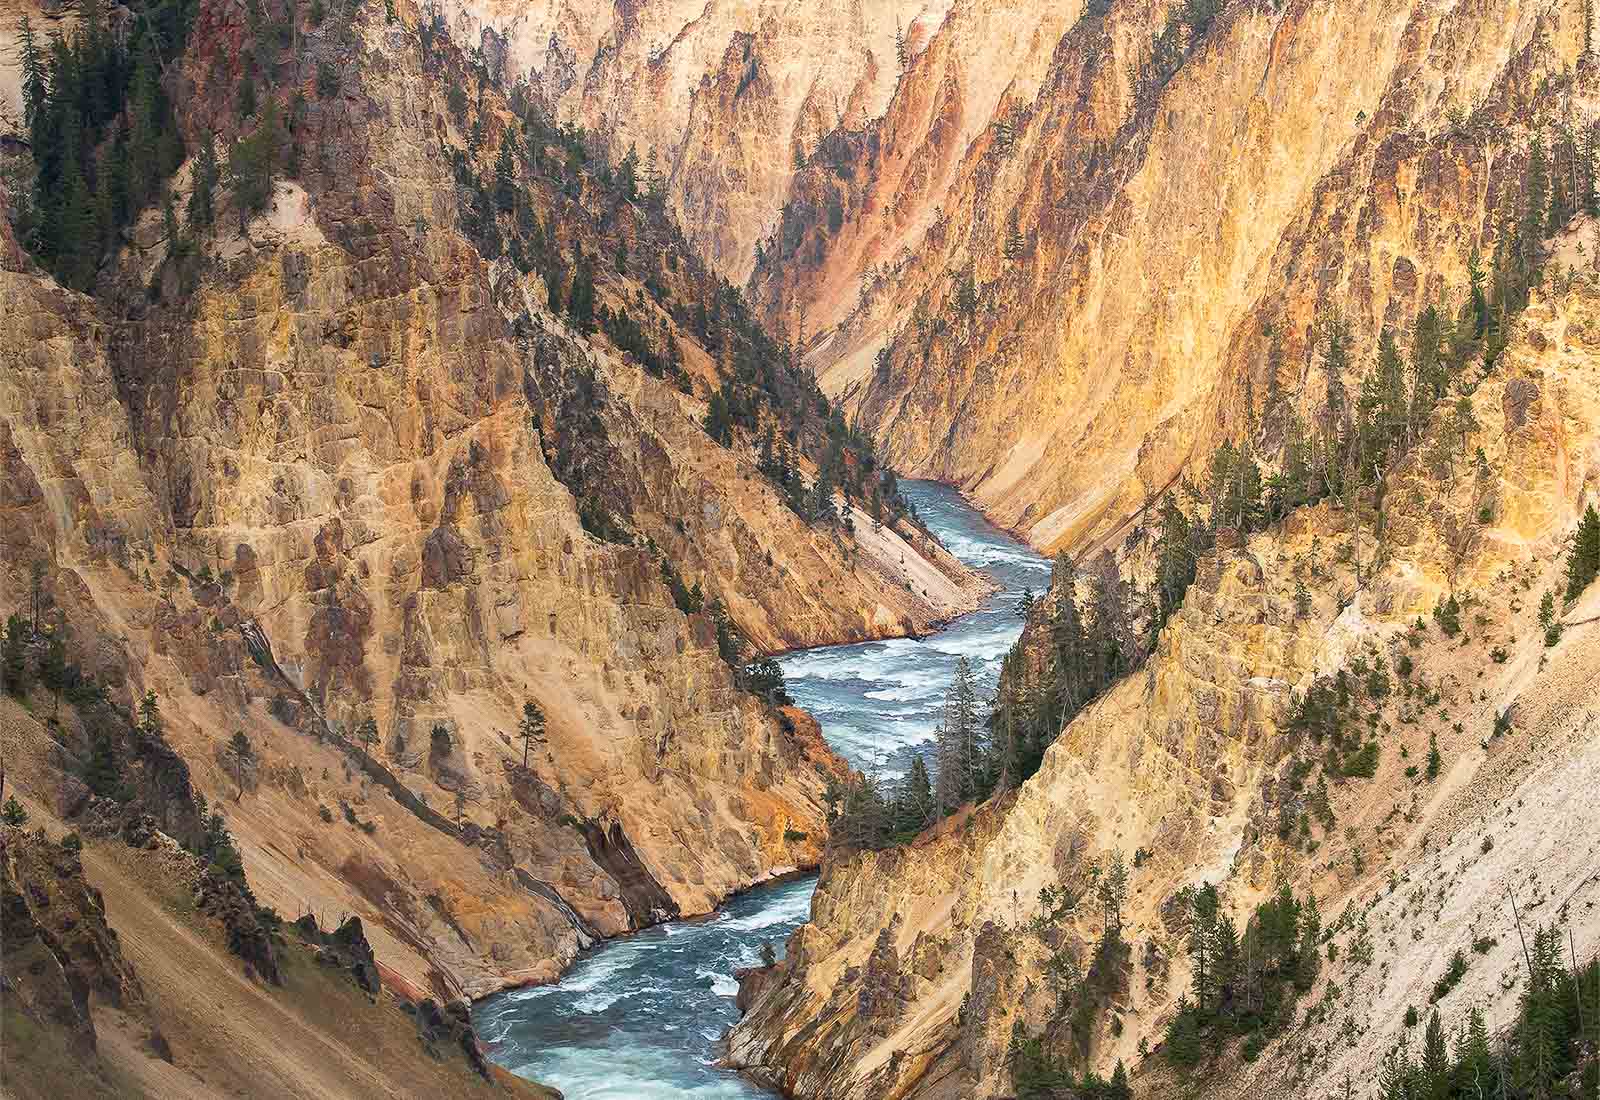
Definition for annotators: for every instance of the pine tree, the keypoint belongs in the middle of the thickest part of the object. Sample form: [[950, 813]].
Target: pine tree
[[948, 771], [531, 728], [1175, 558], [1119, 1089], [1110, 633], [1434, 1072], [14, 656], [367, 736], [1202, 942], [34, 89], [144, 149], [149, 727], [1335, 362], [77, 251], [239, 753], [1182, 1046], [1474, 1058], [505, 175], [1397, 1076], [1225, 962], [1113, 890], [1583, 563], [914, 807], [246, 100], [962, 760], [202, 200]]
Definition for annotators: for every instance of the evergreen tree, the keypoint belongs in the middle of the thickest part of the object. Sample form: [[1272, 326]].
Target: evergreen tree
[[202, 209], [1397, 1076], [1119, 1089], [505, 175], [1434, 1078], [34, 89], [1175, 558], [367, 736], [914, 807], [962, 760], [531, 728], [1110, 633], [240, 753], [764, 677], [1203, 906], [14, 656], [1112, 887], [1182, 1045], [1583, 563], [246, 100]]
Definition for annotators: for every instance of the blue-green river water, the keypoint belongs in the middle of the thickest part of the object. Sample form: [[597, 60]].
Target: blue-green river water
[[642, 1017]]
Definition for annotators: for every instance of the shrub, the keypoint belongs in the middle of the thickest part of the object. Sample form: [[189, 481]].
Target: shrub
[[1362, 763], [1447, 613], [1451, 978]]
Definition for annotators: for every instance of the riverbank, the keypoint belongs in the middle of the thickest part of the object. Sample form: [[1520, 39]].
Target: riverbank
[[628, 1018]]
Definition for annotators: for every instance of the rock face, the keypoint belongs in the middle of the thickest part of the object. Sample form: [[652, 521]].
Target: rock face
[[60, 956], [318, 489], [919, 961], [1061, 313], [1147, 243], [725, 96]]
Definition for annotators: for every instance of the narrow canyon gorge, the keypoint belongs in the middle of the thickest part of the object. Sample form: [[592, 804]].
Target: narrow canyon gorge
[[898, 551]]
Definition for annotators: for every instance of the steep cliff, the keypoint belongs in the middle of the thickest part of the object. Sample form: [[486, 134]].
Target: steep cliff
[[921, 961], [1052, 252], [326, 465], [1062, 313], [121, 977]]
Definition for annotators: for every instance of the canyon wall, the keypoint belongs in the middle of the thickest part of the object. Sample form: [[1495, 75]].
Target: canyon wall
[[1062, 313], [921, 960], [1151, 203], [305, 482]]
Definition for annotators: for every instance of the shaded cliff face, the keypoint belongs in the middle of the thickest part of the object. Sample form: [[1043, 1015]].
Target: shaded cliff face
[[112, 941], [732, 95], [1145, 243], [307, 481], [919, 961]]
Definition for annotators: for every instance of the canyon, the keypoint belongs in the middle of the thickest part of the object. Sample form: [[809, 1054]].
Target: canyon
[[359, 475], [315, 489]]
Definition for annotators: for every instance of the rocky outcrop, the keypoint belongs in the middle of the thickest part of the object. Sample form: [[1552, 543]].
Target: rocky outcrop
[[59, 955], [1188, 763]]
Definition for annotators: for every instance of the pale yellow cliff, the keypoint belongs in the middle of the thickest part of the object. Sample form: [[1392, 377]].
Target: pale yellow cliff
[[1136, 249], [1188, 760]]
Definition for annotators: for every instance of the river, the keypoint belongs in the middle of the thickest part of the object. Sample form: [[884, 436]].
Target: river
[[641, 1017]]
